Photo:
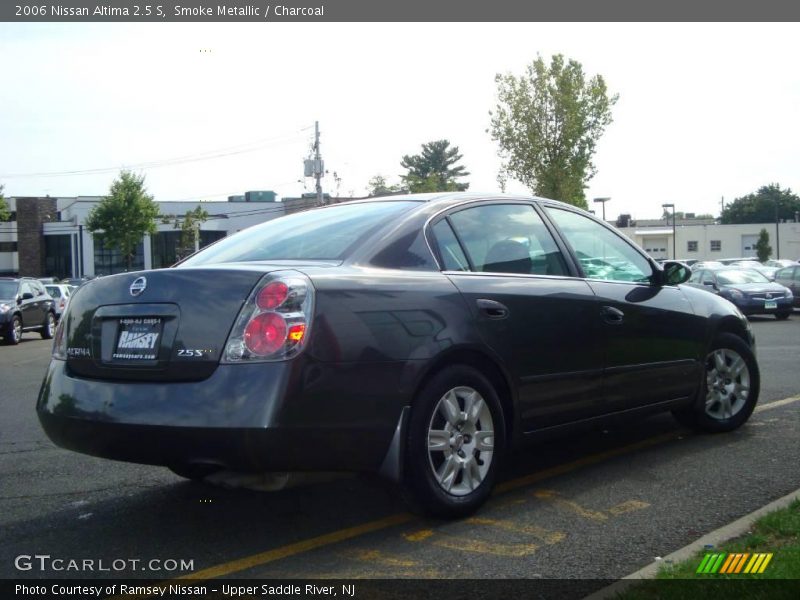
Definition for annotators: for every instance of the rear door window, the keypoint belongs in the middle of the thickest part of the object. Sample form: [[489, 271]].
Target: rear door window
[[508, 238]]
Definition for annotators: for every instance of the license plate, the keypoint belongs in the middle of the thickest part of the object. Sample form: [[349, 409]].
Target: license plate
[[137, 338], [770, 304]]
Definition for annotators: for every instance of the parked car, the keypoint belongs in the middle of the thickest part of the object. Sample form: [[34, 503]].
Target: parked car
[[781, 263], [75, 281], [421, 337], [707, 264], [768, 272], [789, 277], [748, 289], [729, 261], [60, 293], [25, 305]]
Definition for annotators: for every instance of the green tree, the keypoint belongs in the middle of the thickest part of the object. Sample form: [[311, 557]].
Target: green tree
[[763, 249], [125, 215], [547, 123], [760, 206], [189, 224], [378, 186], [5, 212], [434, 169]]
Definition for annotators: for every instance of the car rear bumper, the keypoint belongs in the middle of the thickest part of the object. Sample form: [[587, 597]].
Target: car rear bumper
[[262, 417]]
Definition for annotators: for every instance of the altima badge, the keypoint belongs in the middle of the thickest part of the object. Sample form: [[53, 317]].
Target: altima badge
[[138, 286]]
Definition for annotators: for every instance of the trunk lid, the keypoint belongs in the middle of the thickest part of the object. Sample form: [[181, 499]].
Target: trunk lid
[[162, 325]]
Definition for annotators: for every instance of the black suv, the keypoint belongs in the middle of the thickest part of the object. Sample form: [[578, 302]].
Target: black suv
[[25, 306]]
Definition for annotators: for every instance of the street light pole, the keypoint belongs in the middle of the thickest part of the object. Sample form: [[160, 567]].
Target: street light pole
[[672, 206], [603, 202]]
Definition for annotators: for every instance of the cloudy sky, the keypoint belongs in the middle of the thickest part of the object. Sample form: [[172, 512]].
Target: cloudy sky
[[705, 111]]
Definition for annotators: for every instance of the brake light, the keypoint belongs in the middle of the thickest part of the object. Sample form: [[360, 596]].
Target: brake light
[[272, 295], [265, 333], [274, 321]]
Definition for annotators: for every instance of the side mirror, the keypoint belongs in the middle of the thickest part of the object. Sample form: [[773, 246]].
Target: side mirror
[[27, 296], [675, 273]]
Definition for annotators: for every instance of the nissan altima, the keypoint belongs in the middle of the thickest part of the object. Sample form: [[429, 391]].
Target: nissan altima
[[421, 337]]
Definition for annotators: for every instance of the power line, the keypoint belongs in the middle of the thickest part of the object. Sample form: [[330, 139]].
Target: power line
[[208, 155]]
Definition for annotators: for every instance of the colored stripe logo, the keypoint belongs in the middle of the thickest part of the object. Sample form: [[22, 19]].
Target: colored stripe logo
[[732, 564]]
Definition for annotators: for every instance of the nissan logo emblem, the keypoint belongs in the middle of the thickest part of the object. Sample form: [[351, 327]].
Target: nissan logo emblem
[[138, 286]]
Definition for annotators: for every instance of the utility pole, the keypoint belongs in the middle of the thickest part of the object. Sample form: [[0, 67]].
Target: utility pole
[[315, 167]]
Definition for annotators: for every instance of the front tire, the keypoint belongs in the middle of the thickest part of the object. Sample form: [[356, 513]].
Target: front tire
[[14, 334], [730, 388], [456, 437]]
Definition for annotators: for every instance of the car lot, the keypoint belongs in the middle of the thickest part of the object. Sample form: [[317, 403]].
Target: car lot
[[598, 505]]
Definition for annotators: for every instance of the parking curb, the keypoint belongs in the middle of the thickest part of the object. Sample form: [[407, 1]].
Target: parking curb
[[716, 537]]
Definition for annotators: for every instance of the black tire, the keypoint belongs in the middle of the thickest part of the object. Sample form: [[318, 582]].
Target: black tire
[[465, 446], [708, 413], [782, 316], [14, 333], [49, 327], [195, 472]]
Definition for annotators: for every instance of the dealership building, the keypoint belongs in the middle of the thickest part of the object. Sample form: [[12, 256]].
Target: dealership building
[[47, 236]]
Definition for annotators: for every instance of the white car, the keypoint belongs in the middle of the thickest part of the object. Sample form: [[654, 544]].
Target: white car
[[60, 293]]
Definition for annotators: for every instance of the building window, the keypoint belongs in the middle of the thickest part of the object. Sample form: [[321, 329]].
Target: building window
[[8, 246], [165, 248], [691, 246], [58, 256], [108, 261], [716, 245]]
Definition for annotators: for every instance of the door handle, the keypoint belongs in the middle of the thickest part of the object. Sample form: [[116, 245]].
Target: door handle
[[492, 308], [612, 316]]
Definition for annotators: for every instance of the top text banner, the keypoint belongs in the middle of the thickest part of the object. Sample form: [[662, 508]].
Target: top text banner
[[400, 10]]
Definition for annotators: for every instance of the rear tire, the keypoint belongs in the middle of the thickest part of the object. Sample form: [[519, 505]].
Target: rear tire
[[49, 327], [730, 388], [782, 316], [456, 438]]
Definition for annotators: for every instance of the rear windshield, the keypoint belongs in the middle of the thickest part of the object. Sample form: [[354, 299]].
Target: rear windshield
[[326, 234]]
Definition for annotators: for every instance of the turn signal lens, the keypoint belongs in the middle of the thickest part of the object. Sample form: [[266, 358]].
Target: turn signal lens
[[265, 334], [272, 295], [296, 333]]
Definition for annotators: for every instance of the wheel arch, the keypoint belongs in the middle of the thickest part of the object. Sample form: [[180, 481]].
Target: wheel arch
[[392, 466], [485, 364]]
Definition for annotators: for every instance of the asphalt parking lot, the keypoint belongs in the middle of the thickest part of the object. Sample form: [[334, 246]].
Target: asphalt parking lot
[[592, 506]]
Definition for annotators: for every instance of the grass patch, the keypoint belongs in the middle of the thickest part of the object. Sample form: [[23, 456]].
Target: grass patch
[[777, 532]]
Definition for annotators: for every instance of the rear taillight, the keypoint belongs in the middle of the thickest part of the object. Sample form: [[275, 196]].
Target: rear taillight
[[60, 340], [274, 322]]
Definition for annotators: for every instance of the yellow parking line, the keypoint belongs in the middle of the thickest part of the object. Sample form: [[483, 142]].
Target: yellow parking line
[[381, 558], [627, 506], [776, 404], [334, 537], [545, 535], [554, 498], [592, 459]]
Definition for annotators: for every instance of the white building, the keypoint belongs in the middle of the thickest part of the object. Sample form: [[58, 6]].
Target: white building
[[710, 241], [48, 237]]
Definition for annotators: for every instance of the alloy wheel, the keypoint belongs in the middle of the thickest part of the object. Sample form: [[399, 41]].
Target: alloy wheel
[[728, 383], [460, 441]]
